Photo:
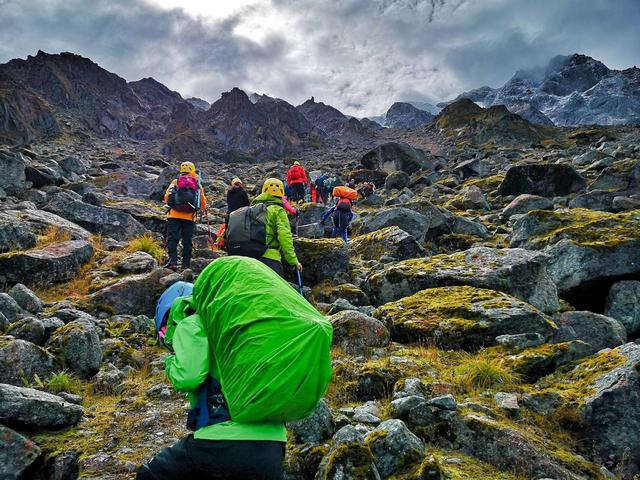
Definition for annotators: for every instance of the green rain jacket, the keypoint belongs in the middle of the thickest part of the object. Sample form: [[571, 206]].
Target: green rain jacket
[[278, 230], [268, 347]]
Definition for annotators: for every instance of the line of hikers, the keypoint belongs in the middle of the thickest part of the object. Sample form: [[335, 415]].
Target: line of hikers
[[258, 228]]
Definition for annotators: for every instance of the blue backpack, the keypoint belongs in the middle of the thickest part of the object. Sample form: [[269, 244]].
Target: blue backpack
[[178, 289]]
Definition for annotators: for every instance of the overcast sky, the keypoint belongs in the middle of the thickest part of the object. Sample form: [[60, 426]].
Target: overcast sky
[[358, 55]]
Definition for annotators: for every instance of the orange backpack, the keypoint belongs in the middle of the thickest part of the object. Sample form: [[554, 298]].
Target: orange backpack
[[345, 192]]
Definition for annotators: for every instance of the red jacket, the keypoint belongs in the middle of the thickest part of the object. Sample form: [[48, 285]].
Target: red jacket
[[297, 174]]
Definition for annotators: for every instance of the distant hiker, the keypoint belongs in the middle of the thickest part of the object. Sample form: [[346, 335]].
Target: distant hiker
[[351, 183], [341, 212], [296, 179], [324, 184], [236, 196], [252, 354], [366, 190], [185, 196], [262, 230]]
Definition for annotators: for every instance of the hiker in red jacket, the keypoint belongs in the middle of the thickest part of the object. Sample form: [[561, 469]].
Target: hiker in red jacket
[[297, 178]]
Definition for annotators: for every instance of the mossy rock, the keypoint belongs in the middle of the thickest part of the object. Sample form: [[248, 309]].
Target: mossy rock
[[322, 258], [328, 292], [391, 241], [460, 317], [518, 272], [350, 460]]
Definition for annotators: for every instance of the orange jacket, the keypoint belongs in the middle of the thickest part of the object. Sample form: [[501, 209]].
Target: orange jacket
[[184, 215]]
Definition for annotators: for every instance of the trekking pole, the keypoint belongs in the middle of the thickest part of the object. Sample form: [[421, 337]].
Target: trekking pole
[[300, 282]]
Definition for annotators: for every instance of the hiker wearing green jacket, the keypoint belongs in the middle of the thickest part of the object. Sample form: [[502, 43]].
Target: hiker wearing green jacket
[[278, 229], [246, 331]]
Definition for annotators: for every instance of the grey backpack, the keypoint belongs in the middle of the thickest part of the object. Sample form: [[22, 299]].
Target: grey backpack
[[246, 231]]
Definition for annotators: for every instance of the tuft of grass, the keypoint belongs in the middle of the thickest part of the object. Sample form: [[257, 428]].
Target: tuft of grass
[[53, 234], [147, 243], [61, 382], [479, 373]]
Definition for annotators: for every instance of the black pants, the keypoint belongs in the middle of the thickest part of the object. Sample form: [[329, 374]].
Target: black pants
[[297, 191], [273, 265], [216, 459], [178, 229]]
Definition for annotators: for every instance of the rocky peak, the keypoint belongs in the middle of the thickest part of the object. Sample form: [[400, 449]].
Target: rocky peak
[[405, 115], [199, 103], [153, 93], [574, 73]]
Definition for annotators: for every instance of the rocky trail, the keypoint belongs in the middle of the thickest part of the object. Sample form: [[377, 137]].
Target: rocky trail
[[486, 311]]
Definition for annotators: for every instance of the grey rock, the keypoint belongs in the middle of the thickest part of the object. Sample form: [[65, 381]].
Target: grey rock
[[408, 220], [28, 328], [356, 332], [544, 403], [63, 466], [518, 272], [392, 241], [134, 294], [546, 180], [394, 446], [392, 157], [623, 304], [54, 263], [73, 165], [12, 166], [17, 453], [464, 226], [109, 379], [29, 408], [611, 415], [409, 387], [470, 198], [397, 180], [10, 308], [27, 300], [14, 234], [77, 347], [39, 220], [325, 259], [105, 220], [21, 360], [316, 427], [520, 340], [596, 330], [525, 203], [443, 402], [509, 403], [50, 324], [137, 262]]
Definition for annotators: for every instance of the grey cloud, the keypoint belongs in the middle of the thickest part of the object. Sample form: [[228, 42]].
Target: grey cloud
[[358, 55]]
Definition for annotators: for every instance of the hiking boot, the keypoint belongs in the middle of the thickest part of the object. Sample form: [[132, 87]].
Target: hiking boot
[[171, 265]]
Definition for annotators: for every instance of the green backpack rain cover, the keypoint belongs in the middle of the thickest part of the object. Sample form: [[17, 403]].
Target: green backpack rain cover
[[269, 348]]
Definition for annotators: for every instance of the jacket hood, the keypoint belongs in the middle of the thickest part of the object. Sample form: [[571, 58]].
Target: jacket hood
[[268, 199]]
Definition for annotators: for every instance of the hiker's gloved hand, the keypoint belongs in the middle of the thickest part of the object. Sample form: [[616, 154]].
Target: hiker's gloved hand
[[299, 266]]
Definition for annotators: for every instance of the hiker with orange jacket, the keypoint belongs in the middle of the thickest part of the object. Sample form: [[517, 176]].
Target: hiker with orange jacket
[[185, 196], [296, 179]]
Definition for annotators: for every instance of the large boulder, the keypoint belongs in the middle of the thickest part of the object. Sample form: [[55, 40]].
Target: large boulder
[[460, 317], [27, 300], [397, 180], [105, 220], [412, 222], [43, 172], [394, 447], [469, 198], [77, 347], [596, 330], [28, 408], [10, 308], [136, 262], [611, 414], [392, 157], [14, 234], [623, 304], [28, 328], [622, 176], [518, 272], [13, 178], [54, 263], [355, 332], [392, 241], [20, 360], [17, 453], [525, 203], [546, 180], [582, 245], [41, 221], [134, 294], [322, 258]]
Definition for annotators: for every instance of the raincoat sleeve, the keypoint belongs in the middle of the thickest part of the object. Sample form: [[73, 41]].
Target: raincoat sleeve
[[166, 194], [326, 214], [285, 239], [189, 367]]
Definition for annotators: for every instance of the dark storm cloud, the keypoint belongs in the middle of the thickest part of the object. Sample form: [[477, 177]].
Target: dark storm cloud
[[358, 55]]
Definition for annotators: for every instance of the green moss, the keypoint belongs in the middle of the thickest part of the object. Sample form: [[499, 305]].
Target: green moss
[[589, 228], [354, 455], [469, 468], [452, 316]]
